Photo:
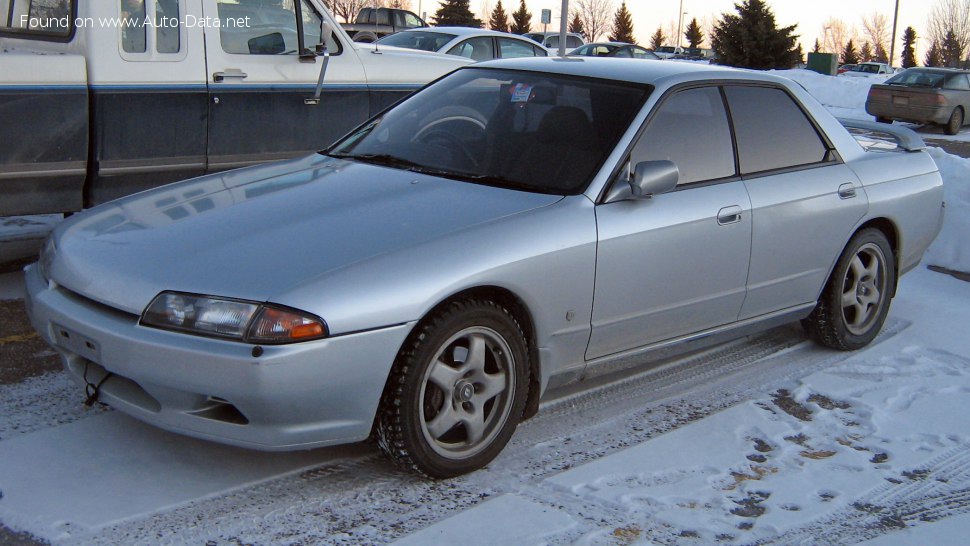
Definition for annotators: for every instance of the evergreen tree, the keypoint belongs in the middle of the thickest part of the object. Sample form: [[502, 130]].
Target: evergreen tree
[[865, 54], [694, 34], [934, 56], [521, 20], [849, 54], [909, 47], [751, 39], [657, 39], [951, 51], [623, 26], [799, 54], [499, 20], [455, 13], [576, 25], [818, 47]]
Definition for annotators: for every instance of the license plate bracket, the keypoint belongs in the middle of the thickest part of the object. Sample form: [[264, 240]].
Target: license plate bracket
[[76, 343]]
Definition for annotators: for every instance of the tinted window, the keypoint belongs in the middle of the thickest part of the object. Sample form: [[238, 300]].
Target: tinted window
[[691, 129], [476, 49], [917, 78], [515, 48], [48, 17], [772, 130], [411, 20]]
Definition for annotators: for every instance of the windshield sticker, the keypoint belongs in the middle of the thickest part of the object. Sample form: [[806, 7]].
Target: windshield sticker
[[522, 92]]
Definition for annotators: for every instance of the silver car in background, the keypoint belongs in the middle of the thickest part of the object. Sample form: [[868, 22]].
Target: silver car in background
[[514, 226]]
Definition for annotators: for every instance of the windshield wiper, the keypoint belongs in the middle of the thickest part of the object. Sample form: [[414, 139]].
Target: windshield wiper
[[389, 160], [507, 183]]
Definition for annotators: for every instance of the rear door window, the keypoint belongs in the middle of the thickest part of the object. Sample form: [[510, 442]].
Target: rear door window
[[773, 132], [512, 48], [476, 49]]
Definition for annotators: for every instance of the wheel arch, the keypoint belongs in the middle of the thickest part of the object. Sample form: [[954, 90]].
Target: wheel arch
[[520, 311]]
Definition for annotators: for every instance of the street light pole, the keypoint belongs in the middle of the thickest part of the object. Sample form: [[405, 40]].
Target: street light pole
[[892, 45]]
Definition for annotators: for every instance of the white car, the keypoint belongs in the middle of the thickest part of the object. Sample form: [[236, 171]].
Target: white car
[[869, 70], [472, 43]]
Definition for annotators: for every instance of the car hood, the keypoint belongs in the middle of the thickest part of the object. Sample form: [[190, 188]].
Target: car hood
[[253, 233]]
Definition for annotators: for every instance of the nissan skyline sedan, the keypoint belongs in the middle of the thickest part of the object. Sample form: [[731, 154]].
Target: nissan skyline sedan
[[515, 226]]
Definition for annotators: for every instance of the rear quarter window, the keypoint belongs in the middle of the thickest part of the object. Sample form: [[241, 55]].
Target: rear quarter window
[[38, 19], [772, 130]]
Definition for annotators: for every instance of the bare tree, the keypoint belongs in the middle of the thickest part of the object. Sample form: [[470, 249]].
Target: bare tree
[[670, 30], [347, 9], [835, 35], [876, 29], [950, 15], [596, 15]]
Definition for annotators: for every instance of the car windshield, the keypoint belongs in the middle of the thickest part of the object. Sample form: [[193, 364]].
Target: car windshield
[[539, 132], [917, 78], [418, 39]]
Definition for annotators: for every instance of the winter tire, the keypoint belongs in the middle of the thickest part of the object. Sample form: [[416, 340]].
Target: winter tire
[[855, 301], [956, 122], [456, 392]]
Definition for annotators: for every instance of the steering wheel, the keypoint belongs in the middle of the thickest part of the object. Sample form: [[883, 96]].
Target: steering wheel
[[446, 139]]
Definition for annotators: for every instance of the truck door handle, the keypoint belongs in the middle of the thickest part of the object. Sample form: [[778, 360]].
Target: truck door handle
[[228, 73], [846, 191], [729, 215]]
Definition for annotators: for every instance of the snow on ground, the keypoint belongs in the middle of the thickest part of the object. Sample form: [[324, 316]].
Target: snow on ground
[[844, 97], [874, 445]]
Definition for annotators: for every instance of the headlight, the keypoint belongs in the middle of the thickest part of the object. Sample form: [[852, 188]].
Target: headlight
[[234, 319], [46, 258]]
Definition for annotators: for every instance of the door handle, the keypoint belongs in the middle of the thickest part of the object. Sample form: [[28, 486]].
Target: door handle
[[847, 191], [729, 215], [228, 73]]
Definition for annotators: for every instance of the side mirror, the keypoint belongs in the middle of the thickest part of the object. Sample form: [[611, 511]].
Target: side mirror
[[649, 178]]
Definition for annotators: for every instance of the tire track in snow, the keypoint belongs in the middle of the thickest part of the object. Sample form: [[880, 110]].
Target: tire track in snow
[[366, 500]]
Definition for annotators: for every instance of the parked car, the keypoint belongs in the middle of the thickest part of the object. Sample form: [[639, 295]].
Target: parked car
[[89, 113], [667, 52], [614, 49], [923, 95], [425, 280], [472, 43], [372, 24], [550, 40], [868, 70]]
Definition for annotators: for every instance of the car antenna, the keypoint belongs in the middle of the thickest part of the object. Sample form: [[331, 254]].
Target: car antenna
[[377, 27]]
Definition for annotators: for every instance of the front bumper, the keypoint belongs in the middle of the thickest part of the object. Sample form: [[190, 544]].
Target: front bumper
[[290, 397]]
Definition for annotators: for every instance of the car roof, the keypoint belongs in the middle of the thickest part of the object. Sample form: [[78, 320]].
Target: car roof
[[465, 31], [618, 44], [938, 70], [628, 70]]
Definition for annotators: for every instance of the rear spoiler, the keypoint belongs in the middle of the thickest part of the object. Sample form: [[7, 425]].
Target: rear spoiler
[[905, 138]]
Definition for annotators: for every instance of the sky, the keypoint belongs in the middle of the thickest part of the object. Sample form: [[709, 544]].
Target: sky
[[810, 16]]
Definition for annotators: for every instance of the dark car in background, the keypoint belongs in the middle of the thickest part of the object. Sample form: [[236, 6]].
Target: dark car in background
[[939, 96]]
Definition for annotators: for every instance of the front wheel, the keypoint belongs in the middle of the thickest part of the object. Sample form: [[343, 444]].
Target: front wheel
[[855, 301], [457, 390]]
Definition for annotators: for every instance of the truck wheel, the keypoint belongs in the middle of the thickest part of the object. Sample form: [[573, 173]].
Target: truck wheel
[[365, 38], [457, 390], [855, 301], [956, 122]]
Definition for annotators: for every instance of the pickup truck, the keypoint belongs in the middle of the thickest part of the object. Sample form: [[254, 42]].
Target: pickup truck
[[372, 24], [100, 99]]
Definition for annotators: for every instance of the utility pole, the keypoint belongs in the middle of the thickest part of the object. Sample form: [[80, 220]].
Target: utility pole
[[892, 45], [680, 24], [564, 27]]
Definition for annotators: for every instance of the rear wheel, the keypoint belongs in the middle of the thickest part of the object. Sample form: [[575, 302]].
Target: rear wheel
[[856, 299], [457, 391], [956, 122]]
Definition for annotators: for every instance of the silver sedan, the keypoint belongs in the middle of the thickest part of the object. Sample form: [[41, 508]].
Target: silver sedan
[[515, 226]]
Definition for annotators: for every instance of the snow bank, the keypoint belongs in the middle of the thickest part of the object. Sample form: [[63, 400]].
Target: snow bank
[[952, 247], [844, 97]]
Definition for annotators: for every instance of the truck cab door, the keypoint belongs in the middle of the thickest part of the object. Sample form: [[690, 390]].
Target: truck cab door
[[258, 83]]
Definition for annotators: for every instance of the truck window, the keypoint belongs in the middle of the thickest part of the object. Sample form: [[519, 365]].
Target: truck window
[[411, 20], [38, 18], [268, 28], [150, 30]]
